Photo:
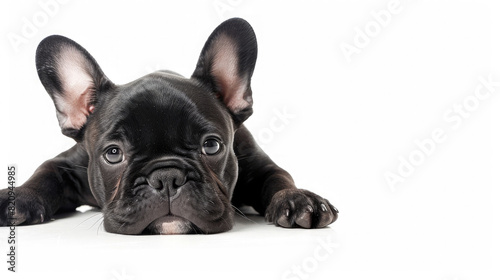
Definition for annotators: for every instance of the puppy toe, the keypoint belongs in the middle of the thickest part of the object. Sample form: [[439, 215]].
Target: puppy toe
[[327, 214], [304, 220], [284, 219]]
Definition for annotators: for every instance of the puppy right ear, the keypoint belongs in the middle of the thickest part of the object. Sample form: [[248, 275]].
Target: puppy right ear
[[73, 80]]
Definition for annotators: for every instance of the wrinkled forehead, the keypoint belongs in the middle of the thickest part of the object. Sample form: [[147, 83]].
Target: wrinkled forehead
[[165, 110]]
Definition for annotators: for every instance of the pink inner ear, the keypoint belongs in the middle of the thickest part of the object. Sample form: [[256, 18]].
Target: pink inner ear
[[73, 113], [77, 88], [225, 70]]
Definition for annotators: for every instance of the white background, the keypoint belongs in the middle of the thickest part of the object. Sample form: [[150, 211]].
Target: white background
[[353, 119]]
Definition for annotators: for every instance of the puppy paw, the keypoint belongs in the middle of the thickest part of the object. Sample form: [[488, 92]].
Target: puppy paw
[[25, 207], [300, 208]]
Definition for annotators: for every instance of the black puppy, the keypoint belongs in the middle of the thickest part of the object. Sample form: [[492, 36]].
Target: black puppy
[[162, 154]]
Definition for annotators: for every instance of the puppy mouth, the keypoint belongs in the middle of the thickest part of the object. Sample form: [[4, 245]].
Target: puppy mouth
[[171, 224]]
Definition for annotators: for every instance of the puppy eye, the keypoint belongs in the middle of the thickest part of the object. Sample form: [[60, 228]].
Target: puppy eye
[[114, 155], [211, 147]]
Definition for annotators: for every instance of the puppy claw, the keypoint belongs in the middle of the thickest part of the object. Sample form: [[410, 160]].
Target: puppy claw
[[323, 207]]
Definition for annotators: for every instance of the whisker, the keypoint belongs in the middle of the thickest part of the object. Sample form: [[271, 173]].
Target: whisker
[[81, 166], [243, 157], [87, 219], [101, 224], [70, 168], [238, 212], [100, 218]]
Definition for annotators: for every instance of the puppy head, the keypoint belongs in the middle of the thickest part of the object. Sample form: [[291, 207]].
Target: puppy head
[[160, 148]]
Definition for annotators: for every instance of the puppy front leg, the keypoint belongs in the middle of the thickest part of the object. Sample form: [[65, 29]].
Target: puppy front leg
[[59, 184], [271, 191]]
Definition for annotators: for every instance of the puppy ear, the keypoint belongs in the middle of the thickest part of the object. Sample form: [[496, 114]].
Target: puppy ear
[[72, 78], [226, 65]]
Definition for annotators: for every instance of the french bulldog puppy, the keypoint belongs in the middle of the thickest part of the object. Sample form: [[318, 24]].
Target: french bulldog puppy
[[163, 154]]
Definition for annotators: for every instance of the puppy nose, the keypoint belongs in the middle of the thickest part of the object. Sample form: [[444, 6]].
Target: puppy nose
[[167, 180]]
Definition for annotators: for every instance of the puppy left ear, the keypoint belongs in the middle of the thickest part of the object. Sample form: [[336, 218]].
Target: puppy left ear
[[226, 65]]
